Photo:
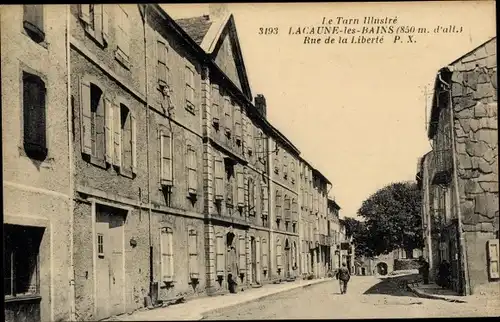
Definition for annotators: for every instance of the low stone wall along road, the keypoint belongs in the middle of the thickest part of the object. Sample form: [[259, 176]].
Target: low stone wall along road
[[367, 297]]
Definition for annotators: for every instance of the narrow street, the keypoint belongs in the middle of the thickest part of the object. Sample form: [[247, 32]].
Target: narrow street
[[367, 297]]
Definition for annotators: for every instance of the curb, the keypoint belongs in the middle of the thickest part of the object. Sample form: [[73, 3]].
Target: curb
[[422, 294], [260, 297]]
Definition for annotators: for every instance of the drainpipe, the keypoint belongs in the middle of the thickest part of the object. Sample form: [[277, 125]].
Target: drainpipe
[[72, 307], [144, 22], [463, 257]]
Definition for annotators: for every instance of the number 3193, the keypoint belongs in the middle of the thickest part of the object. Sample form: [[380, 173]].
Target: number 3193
[[268, 31]]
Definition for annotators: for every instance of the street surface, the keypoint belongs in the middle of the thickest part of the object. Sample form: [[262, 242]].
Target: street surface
[[367, 297]]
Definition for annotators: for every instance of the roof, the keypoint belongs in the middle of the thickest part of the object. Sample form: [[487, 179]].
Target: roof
[[195, 27], [334, 203]]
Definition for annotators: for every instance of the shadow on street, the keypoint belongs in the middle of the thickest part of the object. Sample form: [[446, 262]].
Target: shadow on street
[[395, 286]]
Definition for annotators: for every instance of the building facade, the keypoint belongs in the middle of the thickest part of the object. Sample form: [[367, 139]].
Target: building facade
[[36, 163], [459, 178], [334, 233], [175, 182]]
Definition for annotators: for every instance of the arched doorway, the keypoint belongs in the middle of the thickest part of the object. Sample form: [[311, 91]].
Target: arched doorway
[[287, 259], [253, 251], [382, 268], [231, 259]]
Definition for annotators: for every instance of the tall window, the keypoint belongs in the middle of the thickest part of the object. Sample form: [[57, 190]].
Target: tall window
[[95, 18], [193, 253], [219, 178], [190, 92], [122, 34], [128, 136], [33, 21], [287, 208], [192, 170], [163, 70], [285, 167], [259, 144], [166, 166], [249, 137], [265, 198], [21, 260], [237, 125], [167, 255], [92, 120], [220, 251], [292, 172], [34, 117]]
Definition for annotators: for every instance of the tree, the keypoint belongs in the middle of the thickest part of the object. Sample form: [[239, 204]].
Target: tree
[[359, 232], [392, 219]]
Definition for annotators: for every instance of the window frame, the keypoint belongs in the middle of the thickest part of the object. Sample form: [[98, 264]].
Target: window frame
[[193, 265], [34, 29], [167, 265], [122, 35], [192, 169], [165, 134], [190, 87]]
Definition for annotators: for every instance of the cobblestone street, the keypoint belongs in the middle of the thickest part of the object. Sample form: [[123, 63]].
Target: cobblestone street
[[367, 297]]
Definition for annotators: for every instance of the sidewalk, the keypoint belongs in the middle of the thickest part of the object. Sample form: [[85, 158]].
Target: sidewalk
[[489, 294], [195, 308]]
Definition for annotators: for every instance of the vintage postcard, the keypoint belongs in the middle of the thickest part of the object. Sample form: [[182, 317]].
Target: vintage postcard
[[250, 161]]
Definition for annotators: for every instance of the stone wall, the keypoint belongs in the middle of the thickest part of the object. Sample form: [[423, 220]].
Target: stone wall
[[474, 93]]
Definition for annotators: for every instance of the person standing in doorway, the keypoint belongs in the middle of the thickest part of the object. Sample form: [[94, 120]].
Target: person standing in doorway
[[344, 276]]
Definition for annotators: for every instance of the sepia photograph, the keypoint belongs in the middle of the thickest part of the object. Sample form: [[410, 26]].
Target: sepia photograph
[[254, 161]]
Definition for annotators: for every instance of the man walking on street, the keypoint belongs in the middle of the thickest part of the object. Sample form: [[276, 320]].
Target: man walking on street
[[343, 276]]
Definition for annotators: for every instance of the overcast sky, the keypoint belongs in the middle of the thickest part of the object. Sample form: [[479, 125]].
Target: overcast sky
[[356, 112]]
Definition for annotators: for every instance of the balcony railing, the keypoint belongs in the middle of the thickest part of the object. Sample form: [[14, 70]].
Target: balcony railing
[[441, 166]]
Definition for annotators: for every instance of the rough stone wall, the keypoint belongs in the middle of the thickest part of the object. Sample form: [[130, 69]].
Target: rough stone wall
[[474, 92], [36, 193]]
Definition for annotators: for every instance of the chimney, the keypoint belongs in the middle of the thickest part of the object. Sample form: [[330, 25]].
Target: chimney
[[260, 104], [217, 10]]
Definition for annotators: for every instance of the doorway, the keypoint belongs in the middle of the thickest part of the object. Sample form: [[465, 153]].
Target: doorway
[[287, 259], [382, 269], [110, 261], [231, 260], [253, 251]]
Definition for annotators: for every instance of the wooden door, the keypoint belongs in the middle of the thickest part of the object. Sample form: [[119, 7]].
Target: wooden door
[[109, 264], [254, 260]]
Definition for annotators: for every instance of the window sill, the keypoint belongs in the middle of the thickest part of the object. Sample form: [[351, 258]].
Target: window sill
[[22, 298], [190, 109], [95, 37], [120, 57], [101, 163], [127, 173]]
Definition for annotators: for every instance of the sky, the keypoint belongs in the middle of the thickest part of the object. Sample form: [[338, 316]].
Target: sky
[[357, 112]]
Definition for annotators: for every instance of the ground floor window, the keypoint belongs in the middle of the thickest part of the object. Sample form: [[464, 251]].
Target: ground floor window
[[21, 260]]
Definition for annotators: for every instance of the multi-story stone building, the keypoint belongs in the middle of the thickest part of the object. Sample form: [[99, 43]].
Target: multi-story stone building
[[36, 163], [149, 138], [334, 233], [459, 178]]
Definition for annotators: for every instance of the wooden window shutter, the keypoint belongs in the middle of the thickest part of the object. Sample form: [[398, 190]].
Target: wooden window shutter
[[166, 247], [133, 134], [108, 130], [493, 258], [279, 262], [34, 115], [241, 187], [123, 31], [242, 254], [162, 62], [85, 13], [85, 117], [117, 137], [227, 115], [265, 259], [33, 19], [189, 78], [219, 178], [193, 253], [254, 197], [192, 167], [265, 199], [166, 176], [237, 122], [220, 255], [105, 22]]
